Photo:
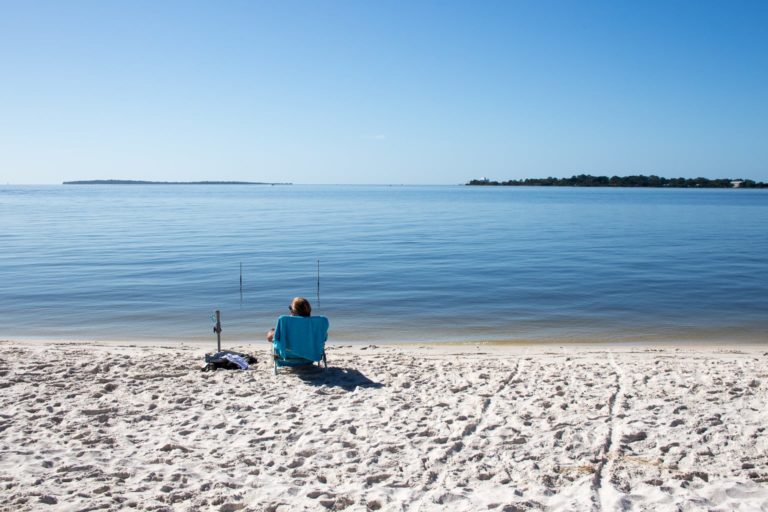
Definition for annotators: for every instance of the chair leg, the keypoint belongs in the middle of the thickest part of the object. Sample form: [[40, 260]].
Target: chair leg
[[274, 360]]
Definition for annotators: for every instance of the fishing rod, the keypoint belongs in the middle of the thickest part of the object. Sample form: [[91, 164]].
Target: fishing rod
[[318, 286]]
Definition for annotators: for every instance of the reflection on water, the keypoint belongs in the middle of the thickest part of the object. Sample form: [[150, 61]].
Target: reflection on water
[[397, 263]]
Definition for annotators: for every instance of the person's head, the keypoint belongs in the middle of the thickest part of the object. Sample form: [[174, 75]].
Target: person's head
[[300, 307]]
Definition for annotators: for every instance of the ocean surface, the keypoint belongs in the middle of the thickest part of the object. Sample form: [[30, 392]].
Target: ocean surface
[[132, 262]]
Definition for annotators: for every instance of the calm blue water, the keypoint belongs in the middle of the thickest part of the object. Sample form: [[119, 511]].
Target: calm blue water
[[397, 263]]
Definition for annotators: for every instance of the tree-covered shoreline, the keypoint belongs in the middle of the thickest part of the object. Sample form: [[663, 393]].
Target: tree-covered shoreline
[[586, 180]]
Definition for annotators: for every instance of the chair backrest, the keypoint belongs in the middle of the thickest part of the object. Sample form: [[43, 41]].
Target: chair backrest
[[301, 337]]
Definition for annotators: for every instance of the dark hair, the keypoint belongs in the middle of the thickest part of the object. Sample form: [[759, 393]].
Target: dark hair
[[300, 307]]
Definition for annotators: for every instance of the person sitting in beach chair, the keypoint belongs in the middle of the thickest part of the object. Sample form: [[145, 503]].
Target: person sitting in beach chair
[[299, 339]]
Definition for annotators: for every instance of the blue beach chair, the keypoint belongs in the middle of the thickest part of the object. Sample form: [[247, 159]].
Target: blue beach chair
[[300, 341]]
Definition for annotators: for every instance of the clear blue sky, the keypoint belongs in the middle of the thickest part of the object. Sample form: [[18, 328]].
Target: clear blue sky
[[381, 92]]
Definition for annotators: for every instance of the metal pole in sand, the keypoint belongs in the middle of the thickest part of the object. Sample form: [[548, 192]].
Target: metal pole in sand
[[217, 330]]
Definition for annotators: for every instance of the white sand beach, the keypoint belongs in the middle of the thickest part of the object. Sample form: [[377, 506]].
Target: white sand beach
[[120, 426]]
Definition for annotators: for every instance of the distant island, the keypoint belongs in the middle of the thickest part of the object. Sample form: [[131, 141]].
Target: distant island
[[586, 180], [141, 182]]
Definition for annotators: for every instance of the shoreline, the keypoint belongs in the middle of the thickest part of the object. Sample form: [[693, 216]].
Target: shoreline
[[524, 343], [193, 352]]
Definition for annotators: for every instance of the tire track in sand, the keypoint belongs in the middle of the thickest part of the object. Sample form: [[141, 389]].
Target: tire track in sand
[[603, 496], [470, 432]]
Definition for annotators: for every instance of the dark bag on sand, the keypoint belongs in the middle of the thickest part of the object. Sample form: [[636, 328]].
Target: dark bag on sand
[[228, 360]]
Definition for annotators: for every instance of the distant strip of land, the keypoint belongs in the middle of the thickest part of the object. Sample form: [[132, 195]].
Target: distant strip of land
[[141, 182], [586, 180]]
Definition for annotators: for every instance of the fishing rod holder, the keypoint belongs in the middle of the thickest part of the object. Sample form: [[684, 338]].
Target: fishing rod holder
[[217, 330]]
